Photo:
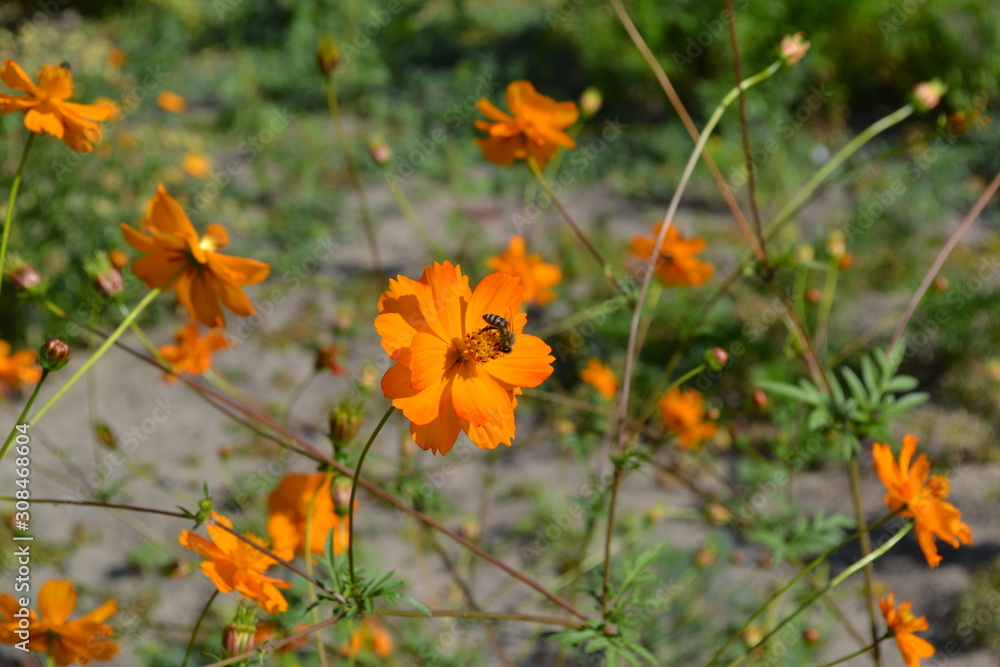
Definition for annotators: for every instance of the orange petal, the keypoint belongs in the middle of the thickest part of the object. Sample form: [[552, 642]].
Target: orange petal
[[498, 293], [44, 123], [239, 271], [205, 305], [14, 77], [443, 305], [425, 406], [439, 435], [479, 398], [489, 110], [528, 364], [56, 601], [430, 360]]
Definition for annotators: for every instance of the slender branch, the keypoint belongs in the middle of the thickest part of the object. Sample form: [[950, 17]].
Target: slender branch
[[859, 652], [24, 413], [15, 186], [942, 256], [865, 547], [197, 626], [275, 645], [354, 491], [486, 615], [110, 506]]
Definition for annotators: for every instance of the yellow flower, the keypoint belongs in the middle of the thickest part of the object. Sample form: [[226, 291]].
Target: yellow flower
[[45, 106], [52, 633], [535, 127], [602, 377], [537, 276]]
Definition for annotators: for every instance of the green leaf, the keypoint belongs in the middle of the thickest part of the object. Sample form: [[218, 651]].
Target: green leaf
[[856, 387], [870, 376], [789, 391], [901, 383], [907, 403]]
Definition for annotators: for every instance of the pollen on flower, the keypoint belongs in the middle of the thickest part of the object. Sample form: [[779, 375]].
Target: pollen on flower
[[483, 345]]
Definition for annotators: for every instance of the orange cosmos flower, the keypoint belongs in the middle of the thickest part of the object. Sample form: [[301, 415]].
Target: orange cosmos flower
[[45, 108], [923, 498], [52, 633], [17, 369], [176, 257], [452, 373], [602, 377], [537, 276], [676, 264], [535, 128], [368, 635], [288, 506], [170, 101], [903, 624], [234, 565], [190, 353], [116, 57], [683, 413]]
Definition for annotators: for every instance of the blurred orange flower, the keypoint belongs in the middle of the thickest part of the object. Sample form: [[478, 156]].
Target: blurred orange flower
[[190, 353], [196, 165], [116, 112], [903, 624], [602, 377], [176, 257], [52, 633], [537, 276], [368, 635], [683, 414], [45, 108], [922, 498], [676, 264], [535, 128], [234, 565], [288, 507], [17, 369], [451, 372], [116, 57], [170, 101]]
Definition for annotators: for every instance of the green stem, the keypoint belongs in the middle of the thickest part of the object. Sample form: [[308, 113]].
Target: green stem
[[411, 216], [605, 267], [494, 616], [194, 632], [24, 413], [803, 572], [864, 546], [352, 173], [825, 307], [858, 652], [10, 202], [821, 175], [891, 542], [126, 323], [354, 491]]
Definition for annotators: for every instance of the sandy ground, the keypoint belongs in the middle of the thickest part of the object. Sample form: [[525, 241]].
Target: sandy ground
[[177, 439]]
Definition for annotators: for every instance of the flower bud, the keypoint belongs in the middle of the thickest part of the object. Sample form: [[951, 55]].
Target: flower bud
[[345, 422], [718, 513], [327, 55], [716, 358], [590, 102], [760, 398], [941, 284], [340, 492], [793, 48], [240, 636], [103, 274], [23, 276], [53, 355], [104, 435], [845, 262], [814, 295], [927, 95], [380, 150], [471, 530], [810, 635], [326, 357], [805, 253], [752, 635], [705, 557], [836, 246]]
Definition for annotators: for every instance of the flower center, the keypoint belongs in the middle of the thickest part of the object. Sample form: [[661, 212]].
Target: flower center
[[483, 345], [208, 243]]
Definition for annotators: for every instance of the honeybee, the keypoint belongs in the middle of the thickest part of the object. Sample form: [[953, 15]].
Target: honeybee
[[507, 337]]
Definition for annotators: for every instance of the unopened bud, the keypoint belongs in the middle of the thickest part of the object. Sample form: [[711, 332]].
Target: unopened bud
[[760, 398], [326, 357], [240, 636], [814, 295], [705, 557], [104, 275], [471, 530], [845, 262], [927, 95], [368, 377], [810, 635], [752, 635], [340, 492], [53, 355], [804, 253], [718, 513], [345, 422], [119, 259], [716, 358], [328, 54], [793, 48], [590, 102], [104, 435], [23, 276], [941, 284], [836, 246], [380, 150]]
